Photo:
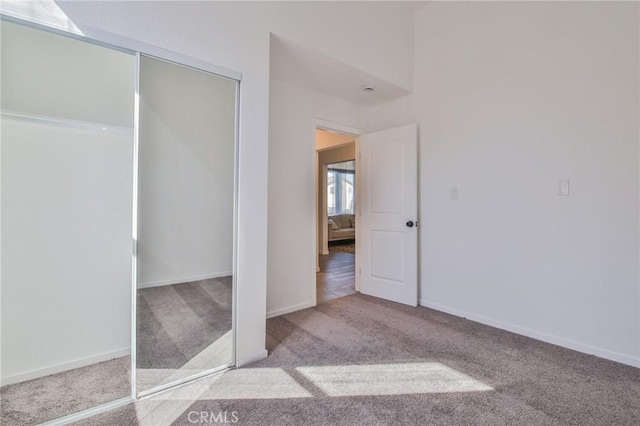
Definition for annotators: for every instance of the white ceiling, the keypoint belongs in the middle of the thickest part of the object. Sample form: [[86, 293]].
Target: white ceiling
[[309, 69]]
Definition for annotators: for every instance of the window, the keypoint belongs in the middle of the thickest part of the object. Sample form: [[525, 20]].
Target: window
[[341, 188]]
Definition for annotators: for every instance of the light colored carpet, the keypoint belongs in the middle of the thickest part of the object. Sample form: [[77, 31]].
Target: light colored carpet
[[58, 395], [177, 324], [359, 360], [183, 329]]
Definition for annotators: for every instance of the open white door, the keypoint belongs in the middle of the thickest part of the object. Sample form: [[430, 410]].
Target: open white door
[[387, 229]]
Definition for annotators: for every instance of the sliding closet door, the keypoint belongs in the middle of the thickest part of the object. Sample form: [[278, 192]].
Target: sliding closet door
[[185, 239], [67, 168]]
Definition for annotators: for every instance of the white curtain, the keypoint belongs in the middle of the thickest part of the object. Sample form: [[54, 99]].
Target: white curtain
[[341, 188]]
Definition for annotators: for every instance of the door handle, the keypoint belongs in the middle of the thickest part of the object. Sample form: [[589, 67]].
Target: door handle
[[410, 224]]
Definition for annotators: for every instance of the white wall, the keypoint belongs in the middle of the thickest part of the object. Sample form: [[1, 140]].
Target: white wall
[[27, 77], [66, 204], [549, 76], [292, 191], [186, 174], [66, 248], [510, 99], [338, 154], [376, 37]]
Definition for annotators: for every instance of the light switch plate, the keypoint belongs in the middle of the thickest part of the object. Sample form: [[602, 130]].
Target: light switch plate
[[563, 187]]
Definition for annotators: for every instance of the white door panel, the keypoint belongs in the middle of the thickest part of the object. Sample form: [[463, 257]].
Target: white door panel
[[387, 246]]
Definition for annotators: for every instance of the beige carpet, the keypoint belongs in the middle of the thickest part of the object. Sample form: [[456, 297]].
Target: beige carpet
[[358, 360], [58, 395], [183, 329], [176, 324]]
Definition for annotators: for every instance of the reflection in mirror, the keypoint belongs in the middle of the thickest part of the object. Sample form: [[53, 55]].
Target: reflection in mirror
[[186, 180], [67, 149]]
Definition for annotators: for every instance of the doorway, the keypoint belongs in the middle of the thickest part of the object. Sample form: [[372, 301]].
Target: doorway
[[386, 255], [336, 215]]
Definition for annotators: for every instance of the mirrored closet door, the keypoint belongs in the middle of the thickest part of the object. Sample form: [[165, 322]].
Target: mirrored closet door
[[67, 172], [112, 162], [185, 223]]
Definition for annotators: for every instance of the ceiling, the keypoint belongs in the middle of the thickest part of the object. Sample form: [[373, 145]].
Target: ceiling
[[326, 139], [312, 70]]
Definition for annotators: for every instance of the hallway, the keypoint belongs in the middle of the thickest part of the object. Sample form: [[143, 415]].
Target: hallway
[[337, 275]]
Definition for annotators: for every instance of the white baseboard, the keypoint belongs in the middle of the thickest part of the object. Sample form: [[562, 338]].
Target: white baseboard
[[184, 280], [252, 358], [289, 309], [548, 338], [59, 368]]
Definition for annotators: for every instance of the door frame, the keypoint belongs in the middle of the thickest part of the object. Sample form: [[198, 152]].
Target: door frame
[[321, 124]]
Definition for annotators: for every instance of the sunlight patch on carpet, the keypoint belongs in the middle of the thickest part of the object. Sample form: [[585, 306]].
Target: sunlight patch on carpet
[[255, 383], [390, 379], [245, 383]]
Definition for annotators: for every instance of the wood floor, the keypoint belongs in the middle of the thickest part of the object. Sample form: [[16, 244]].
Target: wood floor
[[337, 276]]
